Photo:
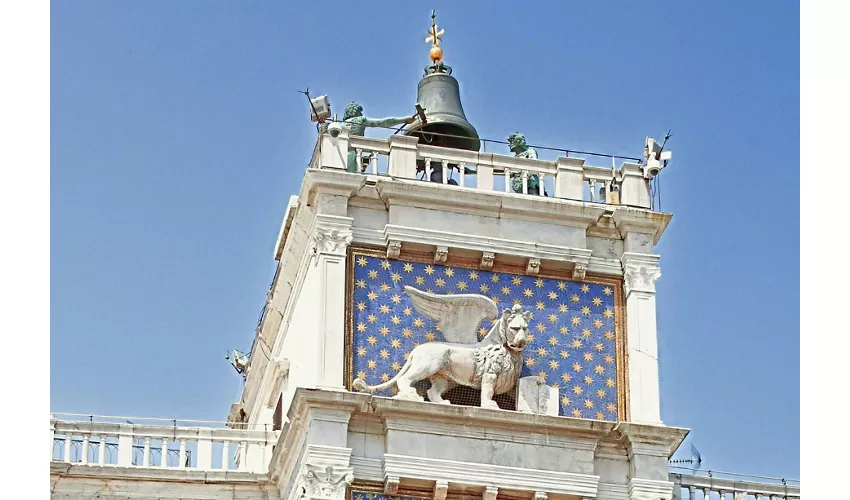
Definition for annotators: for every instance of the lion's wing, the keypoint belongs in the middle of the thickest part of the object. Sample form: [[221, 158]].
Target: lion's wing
[[459, 316]]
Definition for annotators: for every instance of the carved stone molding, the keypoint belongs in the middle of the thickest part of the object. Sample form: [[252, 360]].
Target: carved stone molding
[[640, 272], [579, 271], [441, 254], [533, 266], [393, 249], [647, 489], [540, 495], [325, 482], [487, 260], [490, 493]]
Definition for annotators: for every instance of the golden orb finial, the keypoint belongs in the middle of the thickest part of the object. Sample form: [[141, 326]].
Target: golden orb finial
[[434, 37]]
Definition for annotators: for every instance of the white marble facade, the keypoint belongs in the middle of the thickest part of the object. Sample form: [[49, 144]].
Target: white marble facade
[[336, 444], [410, 446]]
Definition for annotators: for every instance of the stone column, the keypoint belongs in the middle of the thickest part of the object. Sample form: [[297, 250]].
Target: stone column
[[331, 237], [640, 270]]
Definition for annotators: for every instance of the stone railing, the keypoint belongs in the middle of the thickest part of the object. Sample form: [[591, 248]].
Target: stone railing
[[161, 446], [566, 177], [706, 486]]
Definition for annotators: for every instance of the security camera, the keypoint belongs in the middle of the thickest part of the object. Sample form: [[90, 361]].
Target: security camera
[[653, 168], [335, 129], [656, 158]]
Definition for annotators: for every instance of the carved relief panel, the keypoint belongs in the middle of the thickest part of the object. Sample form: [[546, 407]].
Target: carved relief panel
[[575, 332]]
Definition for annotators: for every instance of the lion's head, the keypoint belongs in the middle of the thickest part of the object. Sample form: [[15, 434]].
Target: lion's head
[[514, 327]]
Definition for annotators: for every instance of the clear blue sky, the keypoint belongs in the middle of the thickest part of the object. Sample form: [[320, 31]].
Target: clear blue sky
[[177, 137]]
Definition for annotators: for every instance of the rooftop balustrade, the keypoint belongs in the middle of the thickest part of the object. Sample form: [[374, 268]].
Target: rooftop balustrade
[[708, 485], [210, 447], [565, 177]]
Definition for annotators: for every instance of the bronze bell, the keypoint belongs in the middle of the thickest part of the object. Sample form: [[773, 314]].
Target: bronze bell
[[439, 94]]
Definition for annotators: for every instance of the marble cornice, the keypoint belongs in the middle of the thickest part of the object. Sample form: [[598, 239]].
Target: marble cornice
[[332, 182], [488, 203], [648, 439], [641, 220]]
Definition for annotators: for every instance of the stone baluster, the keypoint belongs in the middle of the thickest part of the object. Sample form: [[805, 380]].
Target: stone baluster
[[84, 451], [243, 456], [359, 155], [373, 162], [706, 492], [225, 455], [722, 494], [427, 169], [68, 447], [592, 184], [758, 496], [203, 461], [461, 167], [146, 452], [692, 493], [525, 182], [541, 188], [181, 461], [164, 461], [445, 175], [507, 180], [101, 451]]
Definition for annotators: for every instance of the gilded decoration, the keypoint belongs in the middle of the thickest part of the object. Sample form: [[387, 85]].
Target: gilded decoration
[[575, 338]]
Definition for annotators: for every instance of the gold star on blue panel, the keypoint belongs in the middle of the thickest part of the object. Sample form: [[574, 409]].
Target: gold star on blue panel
[[573, 342]]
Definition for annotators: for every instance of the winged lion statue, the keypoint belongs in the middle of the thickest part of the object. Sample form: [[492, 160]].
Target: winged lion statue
[[492, 364]]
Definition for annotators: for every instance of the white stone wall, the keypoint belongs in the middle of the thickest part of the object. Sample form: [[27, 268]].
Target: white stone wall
[[305, 321]]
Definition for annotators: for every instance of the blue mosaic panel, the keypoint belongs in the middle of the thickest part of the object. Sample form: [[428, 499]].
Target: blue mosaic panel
[[573, 336], [363, 495]]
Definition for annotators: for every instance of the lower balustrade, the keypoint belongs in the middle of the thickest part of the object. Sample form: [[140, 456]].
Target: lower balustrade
[[708, 487], [164, 447]]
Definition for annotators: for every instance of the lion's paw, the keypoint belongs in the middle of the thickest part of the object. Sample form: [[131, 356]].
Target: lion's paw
[[490, 405], [409, 396]]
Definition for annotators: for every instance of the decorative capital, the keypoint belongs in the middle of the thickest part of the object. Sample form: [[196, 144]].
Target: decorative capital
[[640, 271], [331, 240], [326, 483], [487, 260], [533, 266]]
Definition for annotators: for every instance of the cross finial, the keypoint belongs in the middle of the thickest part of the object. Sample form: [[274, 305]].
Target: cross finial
[[435, 35]]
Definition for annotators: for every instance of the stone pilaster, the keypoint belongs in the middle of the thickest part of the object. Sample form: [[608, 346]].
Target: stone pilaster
[[640, 271], [331, 236], [649, 447]]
